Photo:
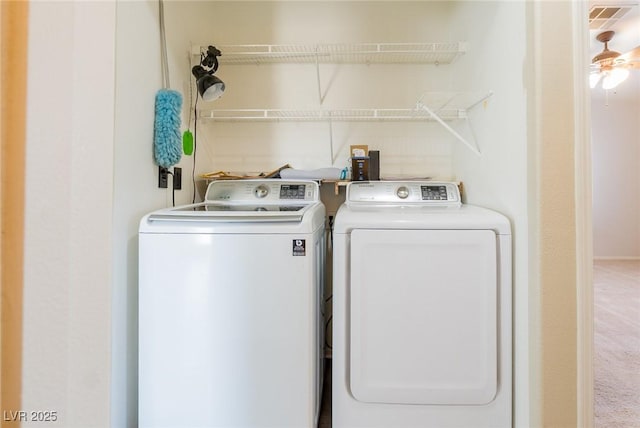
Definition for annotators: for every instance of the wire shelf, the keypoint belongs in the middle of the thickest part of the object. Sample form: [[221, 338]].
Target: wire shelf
[[342, 115], [430, 107], [362, 53]]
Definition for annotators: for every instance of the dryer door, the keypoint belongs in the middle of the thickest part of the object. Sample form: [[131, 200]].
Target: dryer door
[[423, 316]]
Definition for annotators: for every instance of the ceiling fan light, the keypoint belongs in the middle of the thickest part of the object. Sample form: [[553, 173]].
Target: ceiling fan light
[[614, 78], [605, 56], [594, 78]]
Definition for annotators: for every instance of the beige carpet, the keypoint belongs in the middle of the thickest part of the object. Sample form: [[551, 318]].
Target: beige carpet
[[617, 343]]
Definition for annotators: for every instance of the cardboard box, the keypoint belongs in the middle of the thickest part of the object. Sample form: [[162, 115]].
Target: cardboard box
[[359, 151]]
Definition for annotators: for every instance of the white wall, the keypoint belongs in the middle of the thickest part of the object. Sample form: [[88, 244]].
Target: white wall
[[136, 191], [497, 61], [88, 184], [68, 217], [616, 171]]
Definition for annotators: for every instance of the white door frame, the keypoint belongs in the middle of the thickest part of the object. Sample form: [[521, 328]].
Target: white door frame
[[584, 221]]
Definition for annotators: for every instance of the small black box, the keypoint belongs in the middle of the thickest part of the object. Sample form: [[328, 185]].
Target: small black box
[[374, 165]]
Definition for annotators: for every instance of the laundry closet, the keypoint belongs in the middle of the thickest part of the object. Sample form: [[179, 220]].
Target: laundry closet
[[80, 292], [436, 87]]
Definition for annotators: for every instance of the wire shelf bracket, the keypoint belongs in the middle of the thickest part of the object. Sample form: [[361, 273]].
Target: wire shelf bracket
[[473, 146]]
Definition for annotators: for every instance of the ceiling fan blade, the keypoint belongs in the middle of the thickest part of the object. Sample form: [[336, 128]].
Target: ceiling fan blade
[[632, 56]]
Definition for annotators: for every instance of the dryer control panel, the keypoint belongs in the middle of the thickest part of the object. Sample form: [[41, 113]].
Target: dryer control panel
[[432, 193], [268, 191]]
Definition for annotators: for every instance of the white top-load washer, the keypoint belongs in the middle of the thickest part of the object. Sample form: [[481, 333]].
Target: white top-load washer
[[230, 295], [422, 309]]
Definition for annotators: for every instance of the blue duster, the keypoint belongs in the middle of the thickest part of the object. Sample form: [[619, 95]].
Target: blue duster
[[167, 139]]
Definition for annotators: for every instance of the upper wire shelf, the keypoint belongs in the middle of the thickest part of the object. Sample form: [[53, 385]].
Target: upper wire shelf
[[360, 53], [352, 115], [438, 107]]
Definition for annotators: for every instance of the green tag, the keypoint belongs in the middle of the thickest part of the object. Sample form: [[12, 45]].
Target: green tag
[[187, 143]]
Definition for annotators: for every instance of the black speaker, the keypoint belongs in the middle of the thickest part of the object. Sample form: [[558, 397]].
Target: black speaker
[[374, 165]]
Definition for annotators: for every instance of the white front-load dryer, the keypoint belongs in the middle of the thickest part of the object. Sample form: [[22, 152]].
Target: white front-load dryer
[[230, 308], [422, 309]]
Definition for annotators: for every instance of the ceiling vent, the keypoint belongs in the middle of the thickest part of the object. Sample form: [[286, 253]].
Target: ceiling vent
[[605, 16]]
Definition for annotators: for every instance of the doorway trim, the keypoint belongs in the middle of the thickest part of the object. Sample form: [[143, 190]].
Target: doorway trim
[[584, 217], [13, 89]]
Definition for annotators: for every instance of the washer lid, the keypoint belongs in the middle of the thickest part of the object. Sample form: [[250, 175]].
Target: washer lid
[[266, 200], [221, 212]]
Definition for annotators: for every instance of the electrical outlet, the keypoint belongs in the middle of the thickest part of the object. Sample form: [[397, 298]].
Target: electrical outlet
[[177, 178], [163, 178]]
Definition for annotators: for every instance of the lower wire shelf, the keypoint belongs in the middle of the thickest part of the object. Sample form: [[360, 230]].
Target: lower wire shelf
[[440, 107]]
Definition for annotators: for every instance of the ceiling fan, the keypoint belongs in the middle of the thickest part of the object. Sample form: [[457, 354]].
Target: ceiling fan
[[611, 66]]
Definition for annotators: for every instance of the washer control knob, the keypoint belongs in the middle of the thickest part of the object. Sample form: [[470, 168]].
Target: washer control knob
[[261, 191], [402, 192]]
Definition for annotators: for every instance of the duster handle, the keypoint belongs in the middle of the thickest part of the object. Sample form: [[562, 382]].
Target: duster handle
[[163, 47]]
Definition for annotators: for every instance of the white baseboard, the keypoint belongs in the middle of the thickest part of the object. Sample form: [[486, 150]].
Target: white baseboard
[[616, 258]]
